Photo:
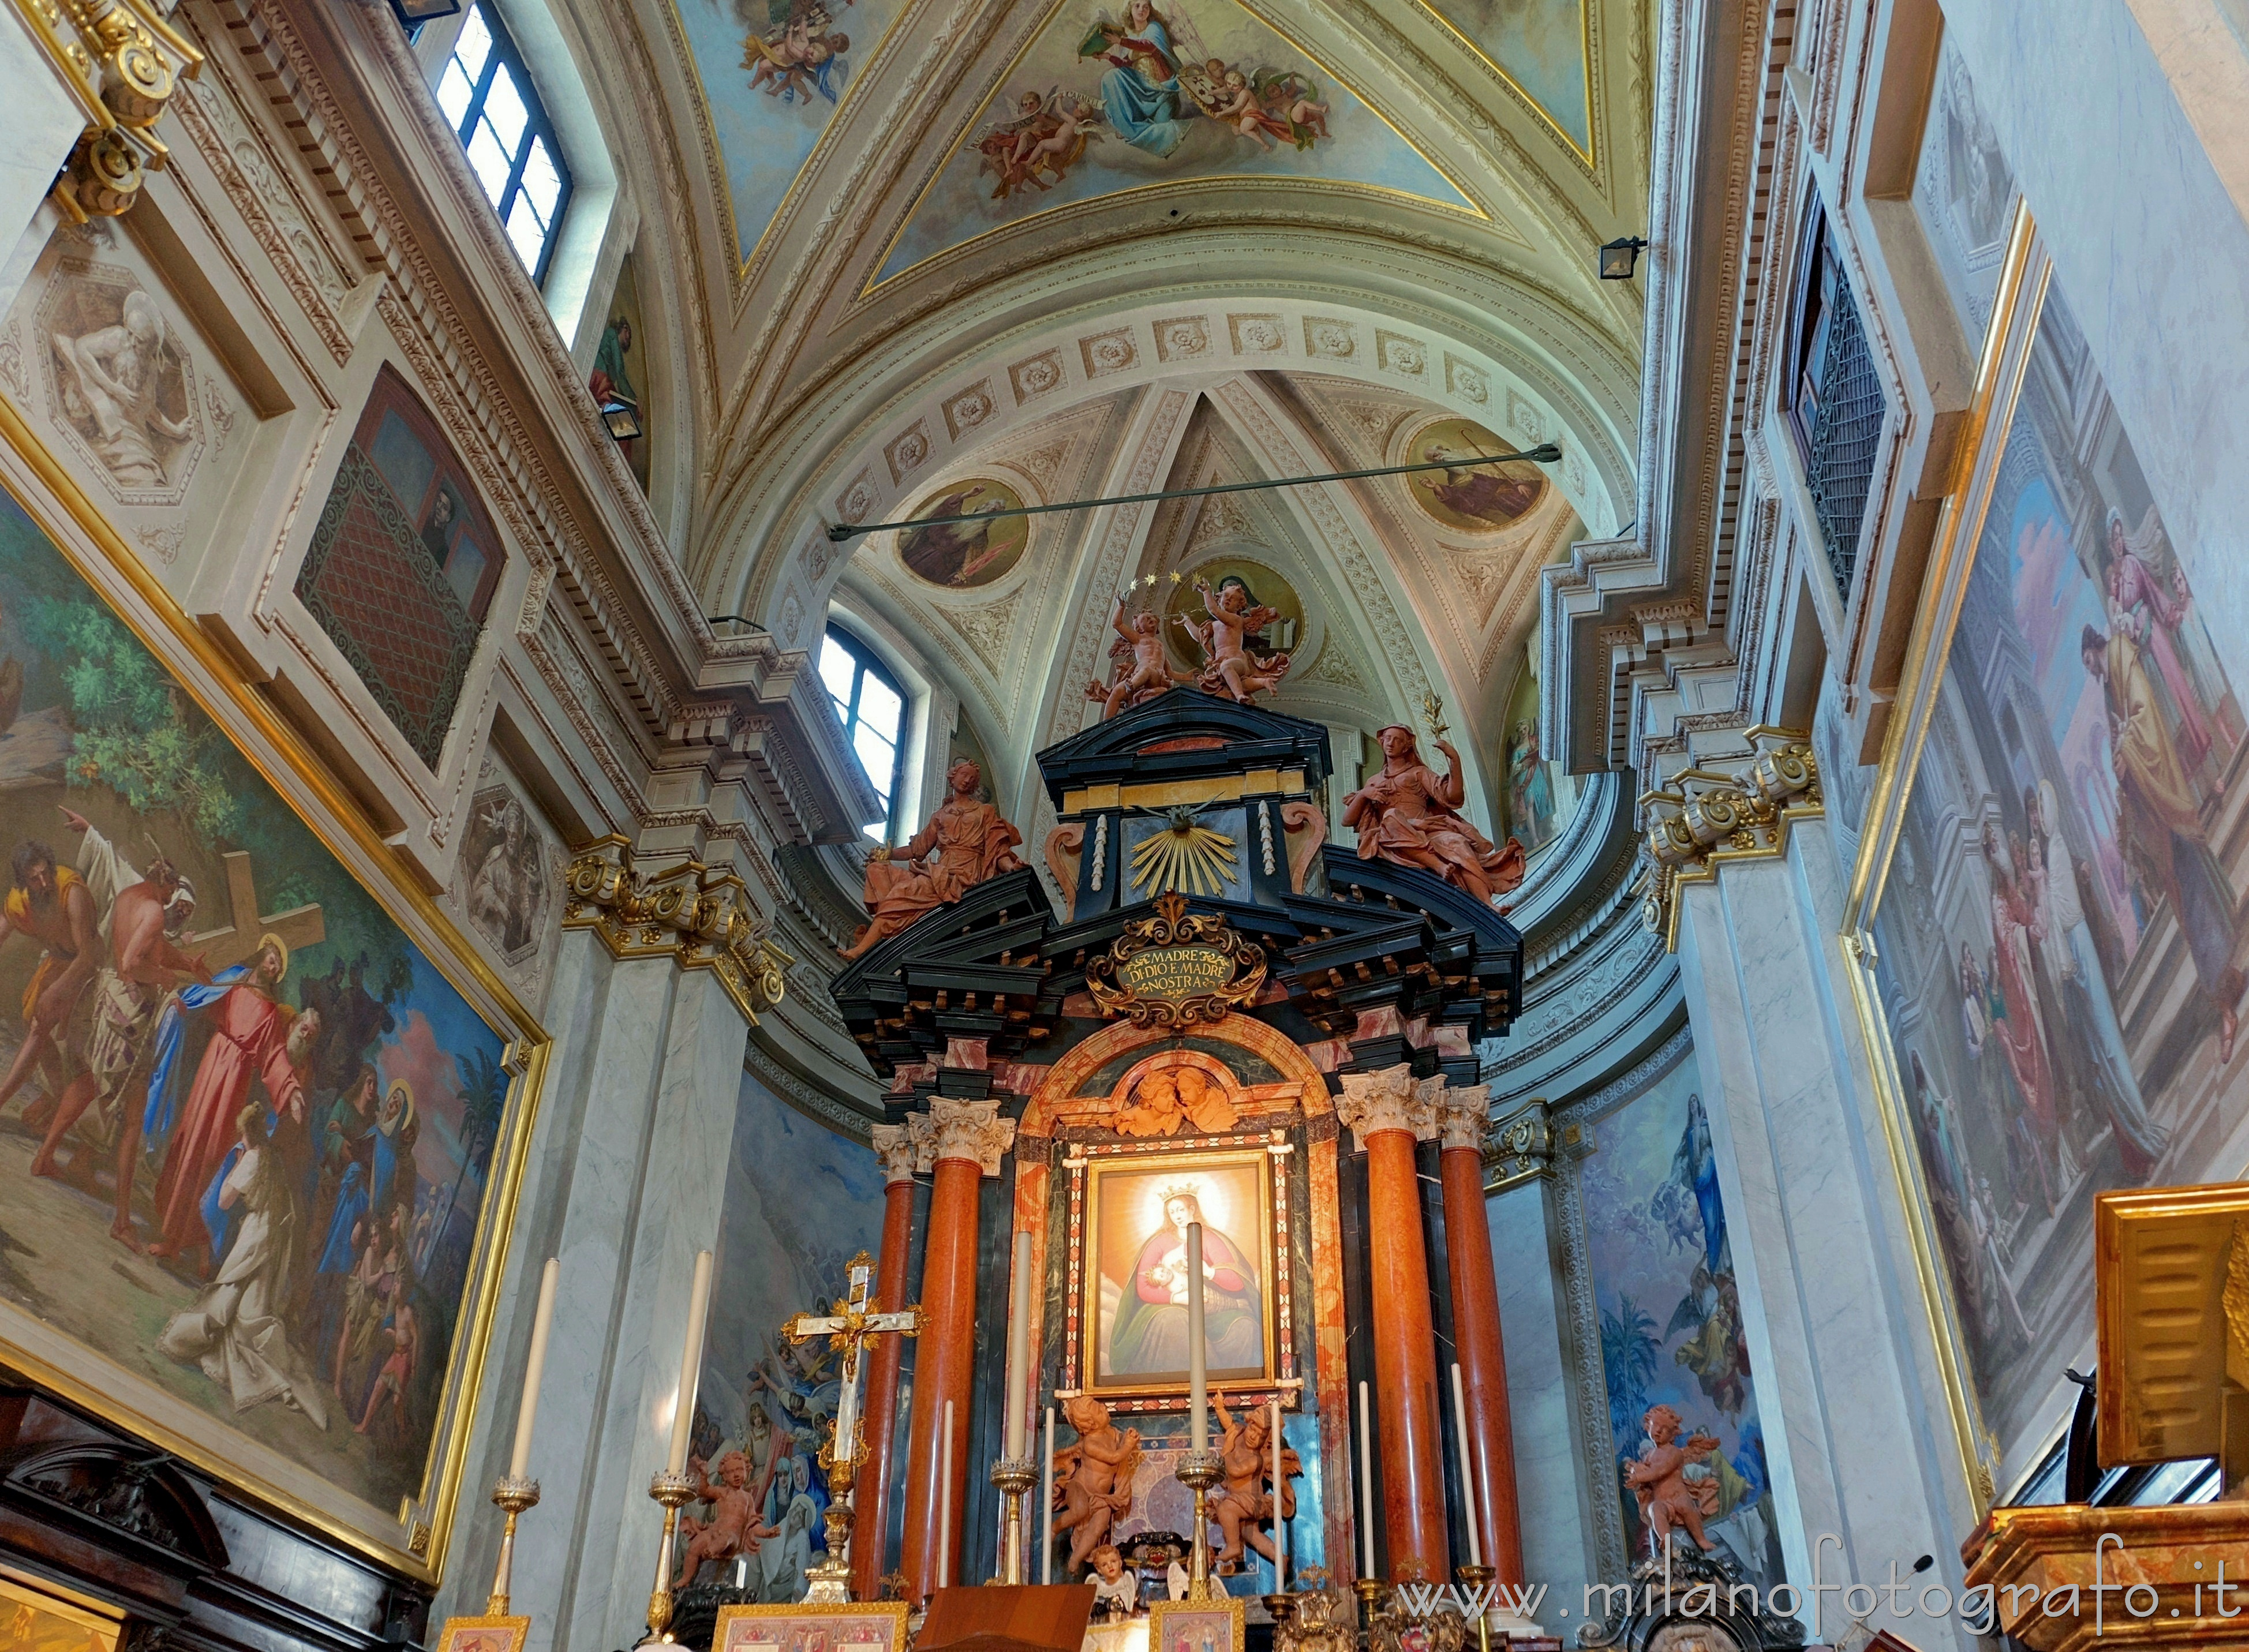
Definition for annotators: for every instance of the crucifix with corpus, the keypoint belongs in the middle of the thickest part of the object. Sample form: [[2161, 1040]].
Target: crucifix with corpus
[[853, 1323]]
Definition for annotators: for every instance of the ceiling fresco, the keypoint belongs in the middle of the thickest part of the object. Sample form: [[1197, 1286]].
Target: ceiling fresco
[[1541, 46], [774, 73], [1108, 100]]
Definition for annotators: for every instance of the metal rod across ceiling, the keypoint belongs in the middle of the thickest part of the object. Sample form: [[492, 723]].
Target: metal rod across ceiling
[[1544, 453]]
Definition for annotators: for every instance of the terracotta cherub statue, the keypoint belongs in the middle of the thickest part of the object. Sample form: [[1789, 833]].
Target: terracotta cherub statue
[[1141, 672], [1229, 669], [733, 1528], [1409, 814], [965, 842], [1155, 1109], [1246, 1454], [1093, 1479], [1204, 1101], [1658, 1479]]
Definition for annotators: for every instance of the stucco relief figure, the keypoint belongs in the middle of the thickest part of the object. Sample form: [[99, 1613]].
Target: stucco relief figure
[[1139, 672], [1093, 1479], [114, 383], [1246, 1499], [965, 842], [1229, 669], [1658, 1479], [1409, 814]]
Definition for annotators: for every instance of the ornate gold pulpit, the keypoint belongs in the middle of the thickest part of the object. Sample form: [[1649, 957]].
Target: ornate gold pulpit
[[2171, 1283]]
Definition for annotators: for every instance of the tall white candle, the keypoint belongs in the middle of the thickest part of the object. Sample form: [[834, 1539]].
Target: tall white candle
[[1019, 1349], [527, 1413], [1365, 1489], [1198, 1380], [1467, 1471], [1280, 1524], [945, 1502], [1046, 1506], [691, 1362]]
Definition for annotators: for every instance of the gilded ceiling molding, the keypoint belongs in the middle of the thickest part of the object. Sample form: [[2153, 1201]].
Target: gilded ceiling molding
[[1724, 809], [121, 61], [686, 911]]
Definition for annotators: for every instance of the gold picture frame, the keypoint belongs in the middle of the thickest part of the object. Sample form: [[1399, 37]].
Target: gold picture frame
[[1134, 1182], [483, 1635], [806, 1627], [414, 1536], [1196, 1626], [41, 1616]]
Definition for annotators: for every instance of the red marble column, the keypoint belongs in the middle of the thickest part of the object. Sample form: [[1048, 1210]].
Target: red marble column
[[966, 1140], [1463, 1115], [1389, 1114], [898, 1149]]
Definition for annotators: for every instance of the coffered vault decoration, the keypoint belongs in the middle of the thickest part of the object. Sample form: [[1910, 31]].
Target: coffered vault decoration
[[1104, 100]]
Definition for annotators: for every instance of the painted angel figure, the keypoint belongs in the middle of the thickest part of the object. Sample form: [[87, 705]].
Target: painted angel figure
[[799, 54], [1229, 669], [1048, 137]]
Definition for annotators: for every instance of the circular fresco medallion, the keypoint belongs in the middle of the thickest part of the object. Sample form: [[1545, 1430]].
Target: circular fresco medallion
[[959, 555], [1476, 498], [1265, 588]]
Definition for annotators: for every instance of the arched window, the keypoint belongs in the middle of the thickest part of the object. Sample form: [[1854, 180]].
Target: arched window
[[486, 92], [873, 708]]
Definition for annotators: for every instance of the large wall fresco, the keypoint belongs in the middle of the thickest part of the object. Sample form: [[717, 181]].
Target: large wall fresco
[[2063, 980], [801, 1202], [1671, 1330], [250, 1127], [1104, 100]]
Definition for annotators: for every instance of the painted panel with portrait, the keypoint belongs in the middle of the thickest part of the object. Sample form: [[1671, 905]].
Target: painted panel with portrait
[[1134, 1290], [2061, 977]]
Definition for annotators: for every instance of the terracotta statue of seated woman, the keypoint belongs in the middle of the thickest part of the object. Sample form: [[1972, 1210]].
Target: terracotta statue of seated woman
[[965, 842], [1409, 814]]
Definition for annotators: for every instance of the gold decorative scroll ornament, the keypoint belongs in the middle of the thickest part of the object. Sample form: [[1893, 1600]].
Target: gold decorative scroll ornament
[[1176, 968], [699, 915], [1737, 808], [121, 62]]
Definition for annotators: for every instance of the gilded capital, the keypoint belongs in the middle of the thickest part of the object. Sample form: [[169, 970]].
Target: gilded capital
[[970, 1130], [700, 916], [122, 60], [898, 1151], [1464, 1116], [1390, 1099], [1736, 808]]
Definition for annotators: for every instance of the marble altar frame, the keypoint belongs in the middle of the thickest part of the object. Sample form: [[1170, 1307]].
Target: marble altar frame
[[1090, 1168], [415, 1539], [2002, 368]]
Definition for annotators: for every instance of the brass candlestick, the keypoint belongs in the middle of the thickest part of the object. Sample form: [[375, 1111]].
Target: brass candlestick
[[1199, 1472], [514, 1493], [1280, 1608], [674, 1491], [1371, 1593], [1014, 1477], [1475, 1579]]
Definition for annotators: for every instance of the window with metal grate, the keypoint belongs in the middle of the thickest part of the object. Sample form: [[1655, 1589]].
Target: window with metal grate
[[1834, 403]]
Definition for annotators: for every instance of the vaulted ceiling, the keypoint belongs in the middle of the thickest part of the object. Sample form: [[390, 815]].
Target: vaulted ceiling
[[896, 251]]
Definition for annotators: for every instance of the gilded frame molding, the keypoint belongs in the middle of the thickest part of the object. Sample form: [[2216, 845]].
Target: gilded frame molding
[[2001, 369], [1090, 1167], [417, 1540]]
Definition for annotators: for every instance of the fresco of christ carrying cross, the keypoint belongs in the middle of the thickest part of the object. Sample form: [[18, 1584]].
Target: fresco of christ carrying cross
[[852, 1323]]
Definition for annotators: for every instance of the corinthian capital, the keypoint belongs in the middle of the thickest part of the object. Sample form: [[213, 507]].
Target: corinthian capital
[[898, 1151], [1390, 1099], [1463, 1116], [970, 1130]]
